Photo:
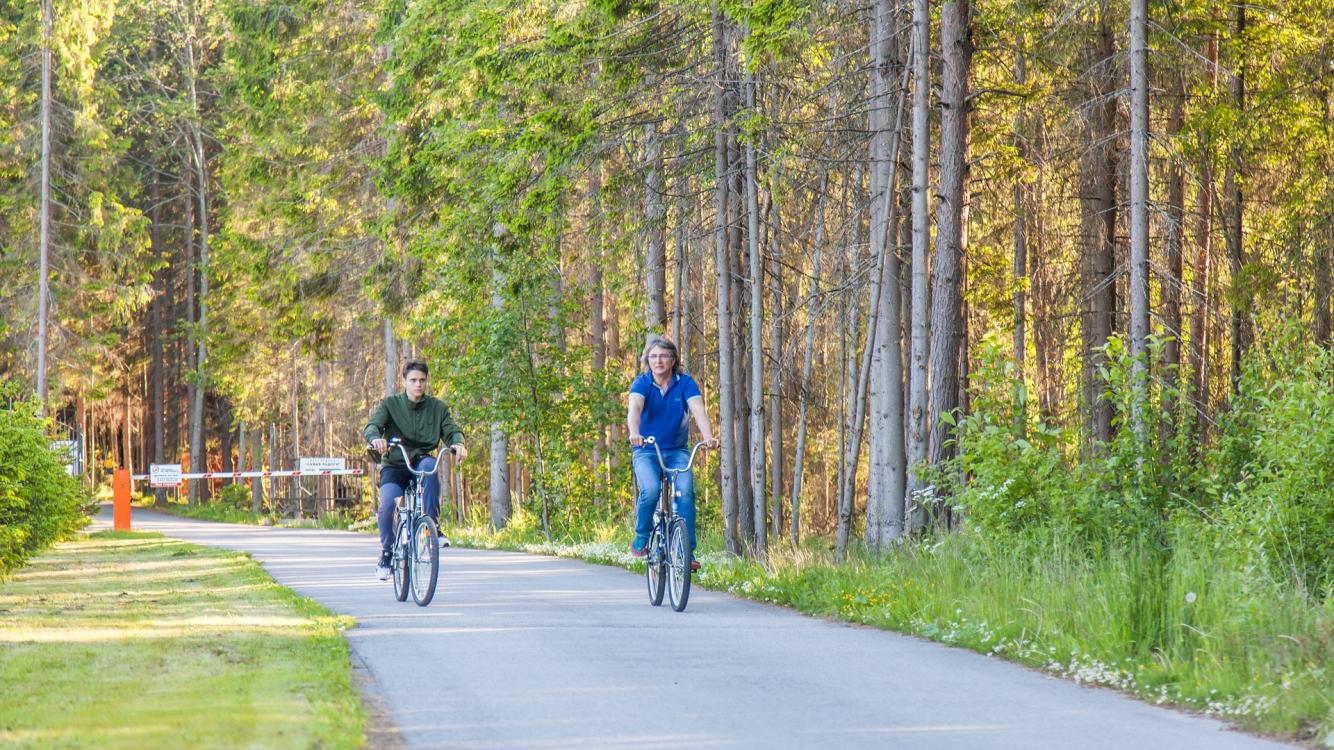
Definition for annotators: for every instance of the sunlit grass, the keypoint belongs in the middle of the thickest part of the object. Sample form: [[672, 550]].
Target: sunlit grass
[[132, 640]]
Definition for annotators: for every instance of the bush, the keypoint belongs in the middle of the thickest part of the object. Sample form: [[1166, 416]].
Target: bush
[[39, 501], [1276, 472]]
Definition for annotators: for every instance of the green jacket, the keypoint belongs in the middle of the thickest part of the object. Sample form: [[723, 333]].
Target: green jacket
[[421, 426]]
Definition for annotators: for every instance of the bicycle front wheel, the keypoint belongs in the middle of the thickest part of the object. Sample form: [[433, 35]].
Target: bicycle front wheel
[[655, 567], [402, 571], [425, 560], [678, 565]]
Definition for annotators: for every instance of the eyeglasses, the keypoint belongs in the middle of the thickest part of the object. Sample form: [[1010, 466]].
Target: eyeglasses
[[664, 355]]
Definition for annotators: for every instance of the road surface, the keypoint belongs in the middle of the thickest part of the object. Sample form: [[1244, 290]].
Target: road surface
[[524, 651]]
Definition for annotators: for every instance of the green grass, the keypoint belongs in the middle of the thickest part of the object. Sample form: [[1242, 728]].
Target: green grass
[[1186, 626], [133, 640]]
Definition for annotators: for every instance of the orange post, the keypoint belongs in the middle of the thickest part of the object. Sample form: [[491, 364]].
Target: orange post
[[120, 505]]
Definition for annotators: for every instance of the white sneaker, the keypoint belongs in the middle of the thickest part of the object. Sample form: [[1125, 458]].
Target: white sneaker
[[382, 569], [444, 541]]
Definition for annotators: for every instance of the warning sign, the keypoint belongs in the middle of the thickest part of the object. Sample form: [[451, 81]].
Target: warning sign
[[317, 464], [164, 475]]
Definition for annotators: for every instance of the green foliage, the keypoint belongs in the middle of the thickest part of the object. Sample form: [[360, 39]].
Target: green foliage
[[39, 501], [1275, 470]]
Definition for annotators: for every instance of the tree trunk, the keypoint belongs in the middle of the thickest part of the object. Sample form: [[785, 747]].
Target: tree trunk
[[390, 359], [1139, 215], [44, 221], [200, 165], [1234, 201], [596, 310], [1098, 226], [1172, 283], [756, 275], [726, 385], [1199, 319], [917, 437], [1020, 199], [655, 260], [257, 462], [807, 359], [886, 462], [947, 265]]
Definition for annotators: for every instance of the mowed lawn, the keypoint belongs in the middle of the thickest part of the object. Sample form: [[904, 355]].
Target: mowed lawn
[[133, 640]]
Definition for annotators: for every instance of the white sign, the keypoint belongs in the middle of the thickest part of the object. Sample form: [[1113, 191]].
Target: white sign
[[164, 475], [322, 464]]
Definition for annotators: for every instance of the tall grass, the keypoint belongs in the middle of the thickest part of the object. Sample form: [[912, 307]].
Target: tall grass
[[1179, 625]]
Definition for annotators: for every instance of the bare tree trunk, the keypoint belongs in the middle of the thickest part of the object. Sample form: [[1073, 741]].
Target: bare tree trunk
[[757, 458], [917, 437], [947, 266], [44, 221], [776, 316], [390, 359], [655, 261], [807, 359], [257, 464], [156, 325], [1199, 321], [726, 385], [1235, 202], [201, 189], [501, 502], [1020, 193], [1098, 226], [1170, 289], [1139, 214], [596, 309], [886, 462]]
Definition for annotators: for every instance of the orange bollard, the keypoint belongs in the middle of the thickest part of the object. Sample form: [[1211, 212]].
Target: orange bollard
[[120, 505]]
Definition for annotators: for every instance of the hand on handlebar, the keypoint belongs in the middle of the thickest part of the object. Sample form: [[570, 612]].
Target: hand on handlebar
[[459, 451], [712, 444], [380, 444], [637, 440]]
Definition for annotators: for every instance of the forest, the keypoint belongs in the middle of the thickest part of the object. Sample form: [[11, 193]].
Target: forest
[[1034, 272]]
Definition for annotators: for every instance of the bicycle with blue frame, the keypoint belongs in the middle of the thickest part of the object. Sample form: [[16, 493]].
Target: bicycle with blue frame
[[668, 553], [416, 550]]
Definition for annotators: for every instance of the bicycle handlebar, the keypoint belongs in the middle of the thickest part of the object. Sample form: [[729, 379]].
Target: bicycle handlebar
[[408, 461], [653, 442]]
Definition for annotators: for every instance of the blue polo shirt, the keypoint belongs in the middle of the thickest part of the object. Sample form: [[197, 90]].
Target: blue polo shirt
[[664, 416]]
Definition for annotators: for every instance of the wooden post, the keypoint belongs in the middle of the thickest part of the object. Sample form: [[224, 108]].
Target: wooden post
[[121, 500]]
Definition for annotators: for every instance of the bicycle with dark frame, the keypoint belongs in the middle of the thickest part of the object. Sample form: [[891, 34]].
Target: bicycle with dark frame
[[416, 550], [668, 558]]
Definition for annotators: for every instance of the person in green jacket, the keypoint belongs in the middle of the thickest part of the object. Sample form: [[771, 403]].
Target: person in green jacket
[[421, 422]]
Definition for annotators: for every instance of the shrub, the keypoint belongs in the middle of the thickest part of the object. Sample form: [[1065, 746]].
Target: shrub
[[39, 501]]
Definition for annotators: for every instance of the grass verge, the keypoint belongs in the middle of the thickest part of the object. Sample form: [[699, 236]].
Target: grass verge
[[133, 640]]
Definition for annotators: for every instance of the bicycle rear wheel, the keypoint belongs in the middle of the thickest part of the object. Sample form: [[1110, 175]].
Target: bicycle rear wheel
[[655, 567], [402, 572], [425, 560], [678, 565]]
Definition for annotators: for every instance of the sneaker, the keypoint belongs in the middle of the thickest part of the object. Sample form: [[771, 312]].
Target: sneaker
[[694, 566], [638, 551], [444, 541], [383, 569]]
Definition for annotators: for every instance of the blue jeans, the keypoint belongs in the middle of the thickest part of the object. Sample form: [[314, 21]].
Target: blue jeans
[[393, 480], [649, 476]]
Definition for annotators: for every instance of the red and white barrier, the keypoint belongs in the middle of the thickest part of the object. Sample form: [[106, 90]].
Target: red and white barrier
[[260, 474]]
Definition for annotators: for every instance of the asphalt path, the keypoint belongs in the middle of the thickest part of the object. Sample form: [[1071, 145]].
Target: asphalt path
[[525, 651]]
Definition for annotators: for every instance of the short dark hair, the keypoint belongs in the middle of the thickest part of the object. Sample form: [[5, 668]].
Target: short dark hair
[[416, 364]]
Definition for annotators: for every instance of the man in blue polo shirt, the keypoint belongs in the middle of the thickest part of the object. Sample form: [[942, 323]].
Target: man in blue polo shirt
[[659, 400]]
